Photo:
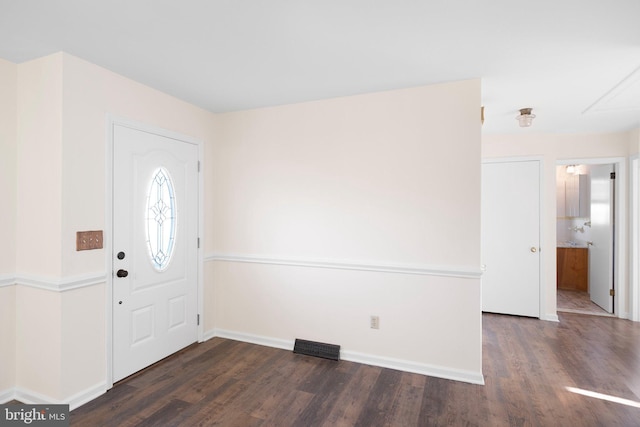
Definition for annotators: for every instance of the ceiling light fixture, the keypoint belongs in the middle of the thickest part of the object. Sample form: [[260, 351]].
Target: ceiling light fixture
[[525, 118]]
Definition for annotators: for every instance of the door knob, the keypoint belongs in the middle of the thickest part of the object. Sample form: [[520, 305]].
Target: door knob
[[589, 243], [534, 249], [122, 273]]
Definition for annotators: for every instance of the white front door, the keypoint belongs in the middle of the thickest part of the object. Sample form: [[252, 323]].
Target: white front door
[[601, 249], [510, 226], [155, 246]]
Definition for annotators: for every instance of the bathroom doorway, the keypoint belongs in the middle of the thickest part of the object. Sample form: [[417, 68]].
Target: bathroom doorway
[[585, 234]]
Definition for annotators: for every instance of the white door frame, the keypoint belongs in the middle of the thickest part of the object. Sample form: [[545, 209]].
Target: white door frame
[[634, 245], [542, 289], [108, 240], [620, 235]]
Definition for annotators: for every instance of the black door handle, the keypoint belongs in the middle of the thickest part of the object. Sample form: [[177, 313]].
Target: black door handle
[[122, 273]]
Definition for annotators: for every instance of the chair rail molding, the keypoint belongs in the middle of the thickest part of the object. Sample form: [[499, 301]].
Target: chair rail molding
[[465, 272], [56, 284]]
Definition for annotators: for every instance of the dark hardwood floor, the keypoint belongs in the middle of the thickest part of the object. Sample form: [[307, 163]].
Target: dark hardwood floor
[[528, 366]]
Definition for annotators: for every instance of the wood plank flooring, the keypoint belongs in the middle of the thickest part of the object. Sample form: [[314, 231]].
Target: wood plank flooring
[[528, 365], [578, 302]]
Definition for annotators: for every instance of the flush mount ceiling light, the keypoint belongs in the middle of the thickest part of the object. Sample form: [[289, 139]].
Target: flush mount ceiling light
[[525, 118]]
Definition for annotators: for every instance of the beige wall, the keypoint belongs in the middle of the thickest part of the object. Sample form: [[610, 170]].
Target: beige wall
[[384, 178], [62, 108], [8, 339], [39, 169], [553, 148], [38, 343], [90, 93], [8, 117], [634, 141], [373, 165]]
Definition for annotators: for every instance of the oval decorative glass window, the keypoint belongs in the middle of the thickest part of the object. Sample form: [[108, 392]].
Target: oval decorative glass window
[[161, 219]]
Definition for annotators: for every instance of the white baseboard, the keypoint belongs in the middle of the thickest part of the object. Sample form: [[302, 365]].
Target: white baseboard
[[254, 339], [7, 395], [366, 359], [34, 398], [551, 317], [86, 396], [208, 335], [415, 368]]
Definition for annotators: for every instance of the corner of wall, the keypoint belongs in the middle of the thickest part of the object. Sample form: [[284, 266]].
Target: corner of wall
[[8, 168], [8, 340]]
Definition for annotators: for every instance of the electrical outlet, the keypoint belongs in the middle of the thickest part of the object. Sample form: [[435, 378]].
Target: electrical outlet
[[375, 322], [87, 240]]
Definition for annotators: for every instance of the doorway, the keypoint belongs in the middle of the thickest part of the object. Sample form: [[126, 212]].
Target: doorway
[[153, 246], [510, 242], [587, 247]]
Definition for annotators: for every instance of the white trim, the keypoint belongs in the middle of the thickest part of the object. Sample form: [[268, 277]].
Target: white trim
[[58, 285], [75, 401], [111, 121], [512, 159], [254, 339], [367, 359], [7, 280], [206, 336], [551, 317], [7, 395], [86, 395], [413, 367], [425, 270], [201, 234], [108, 247], [634, 233]]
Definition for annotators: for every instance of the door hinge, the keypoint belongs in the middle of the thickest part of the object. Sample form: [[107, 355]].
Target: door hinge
[[612, 292], [198, 165], [198, 243], [198, 320], [613, 175]]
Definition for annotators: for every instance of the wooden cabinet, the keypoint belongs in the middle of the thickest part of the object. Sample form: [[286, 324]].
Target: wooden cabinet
[[573, 269]]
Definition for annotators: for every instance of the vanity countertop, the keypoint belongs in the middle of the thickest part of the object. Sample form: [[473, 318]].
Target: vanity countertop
[[572, 244]]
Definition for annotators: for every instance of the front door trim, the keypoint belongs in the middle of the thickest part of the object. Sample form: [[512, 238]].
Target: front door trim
[[112, 121]]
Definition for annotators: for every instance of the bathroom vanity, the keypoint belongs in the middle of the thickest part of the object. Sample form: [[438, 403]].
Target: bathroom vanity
[[573, 267]]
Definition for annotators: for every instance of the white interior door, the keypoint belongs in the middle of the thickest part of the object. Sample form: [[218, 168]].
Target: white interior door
[[601, 249], [155, 232], [511, 237]]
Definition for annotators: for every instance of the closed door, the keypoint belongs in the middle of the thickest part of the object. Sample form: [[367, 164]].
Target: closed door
[[511, 237], [601, 247], [155, 240]]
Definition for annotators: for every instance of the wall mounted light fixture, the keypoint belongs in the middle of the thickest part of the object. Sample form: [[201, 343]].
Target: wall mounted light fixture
[[525, 118]]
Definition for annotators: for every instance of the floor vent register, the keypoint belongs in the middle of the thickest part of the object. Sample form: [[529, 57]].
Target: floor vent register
[[317, 349]]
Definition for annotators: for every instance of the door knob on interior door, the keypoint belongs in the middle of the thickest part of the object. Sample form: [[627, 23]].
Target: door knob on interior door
[[122, 273], [534, 249]]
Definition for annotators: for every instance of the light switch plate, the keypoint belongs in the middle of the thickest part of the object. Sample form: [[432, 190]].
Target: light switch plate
[[87, 240]]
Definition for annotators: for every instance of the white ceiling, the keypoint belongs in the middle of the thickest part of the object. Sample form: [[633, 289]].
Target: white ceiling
[[572, 61]]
